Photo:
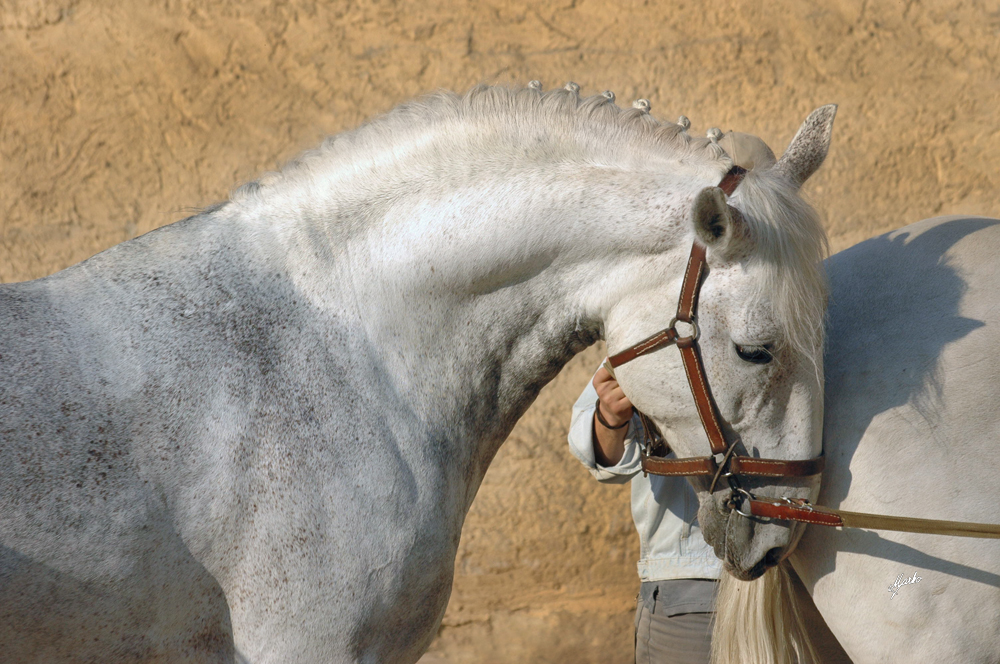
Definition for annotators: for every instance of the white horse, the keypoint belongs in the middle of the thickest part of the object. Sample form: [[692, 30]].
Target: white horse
[[911, 429], [256, 433]]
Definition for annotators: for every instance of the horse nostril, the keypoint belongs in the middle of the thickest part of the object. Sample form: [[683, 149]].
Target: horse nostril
[[773, 556]]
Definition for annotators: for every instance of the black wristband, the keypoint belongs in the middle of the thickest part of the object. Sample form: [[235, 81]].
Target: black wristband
[[604, 423]]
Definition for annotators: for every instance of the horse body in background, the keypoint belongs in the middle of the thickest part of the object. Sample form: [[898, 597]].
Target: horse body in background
[[910, 429], [255, 434]]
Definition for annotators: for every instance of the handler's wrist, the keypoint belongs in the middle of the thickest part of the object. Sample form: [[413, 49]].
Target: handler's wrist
[[604, 422]]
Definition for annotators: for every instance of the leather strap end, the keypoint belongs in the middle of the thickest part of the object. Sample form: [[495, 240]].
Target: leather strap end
[[732, 179], [655, 342], [782, 510]]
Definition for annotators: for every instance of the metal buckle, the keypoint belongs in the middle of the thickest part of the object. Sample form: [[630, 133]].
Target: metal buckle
[[723, 463], [695, 332], [798, 502]]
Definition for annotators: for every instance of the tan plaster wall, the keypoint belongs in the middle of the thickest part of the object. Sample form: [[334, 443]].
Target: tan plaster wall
[[119, 117]]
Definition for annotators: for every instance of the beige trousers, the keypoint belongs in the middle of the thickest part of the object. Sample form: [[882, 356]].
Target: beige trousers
[[680, 638]]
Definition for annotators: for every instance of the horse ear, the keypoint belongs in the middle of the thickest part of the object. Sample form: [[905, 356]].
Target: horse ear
[[809, 147], [716, 224]]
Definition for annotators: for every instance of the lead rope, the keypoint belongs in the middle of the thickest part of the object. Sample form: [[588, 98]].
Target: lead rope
[[787, 509]]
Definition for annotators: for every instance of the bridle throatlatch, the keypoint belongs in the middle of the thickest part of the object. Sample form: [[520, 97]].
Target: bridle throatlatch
[[725, 462]]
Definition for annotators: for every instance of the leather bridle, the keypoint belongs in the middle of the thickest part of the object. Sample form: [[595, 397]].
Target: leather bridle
[[725, 461]]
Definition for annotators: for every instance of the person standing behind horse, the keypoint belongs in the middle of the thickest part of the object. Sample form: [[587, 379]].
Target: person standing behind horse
[[678, 570]]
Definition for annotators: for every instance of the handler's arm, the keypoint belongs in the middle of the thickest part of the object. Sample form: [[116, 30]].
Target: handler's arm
[[616, 410], [621, 460]]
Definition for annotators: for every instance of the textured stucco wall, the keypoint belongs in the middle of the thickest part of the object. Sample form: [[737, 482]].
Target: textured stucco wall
[[118, 117]]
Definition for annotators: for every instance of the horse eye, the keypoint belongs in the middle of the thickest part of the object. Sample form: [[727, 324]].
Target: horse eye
[[755, 354]]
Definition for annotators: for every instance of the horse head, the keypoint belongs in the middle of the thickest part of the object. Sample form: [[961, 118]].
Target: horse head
[[760, 316]]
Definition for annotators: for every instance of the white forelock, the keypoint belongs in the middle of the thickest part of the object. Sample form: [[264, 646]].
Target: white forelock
[[790, 245]]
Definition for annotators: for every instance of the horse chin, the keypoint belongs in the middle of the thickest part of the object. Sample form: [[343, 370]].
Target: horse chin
[[770, 559], [747, 547]]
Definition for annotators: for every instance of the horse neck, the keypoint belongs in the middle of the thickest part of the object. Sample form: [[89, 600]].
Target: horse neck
[[481, 303], [473, 296]]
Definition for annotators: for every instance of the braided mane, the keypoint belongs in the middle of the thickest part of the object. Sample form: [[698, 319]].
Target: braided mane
[[493, 128]]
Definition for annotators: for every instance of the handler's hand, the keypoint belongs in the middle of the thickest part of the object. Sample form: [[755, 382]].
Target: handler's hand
[[615, 406]]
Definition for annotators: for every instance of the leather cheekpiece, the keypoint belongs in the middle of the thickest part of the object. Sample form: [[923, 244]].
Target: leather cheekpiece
[[694, 369]]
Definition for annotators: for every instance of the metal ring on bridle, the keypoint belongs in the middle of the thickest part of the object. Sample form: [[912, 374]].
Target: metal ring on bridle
[[695, 332], [749, 496]]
